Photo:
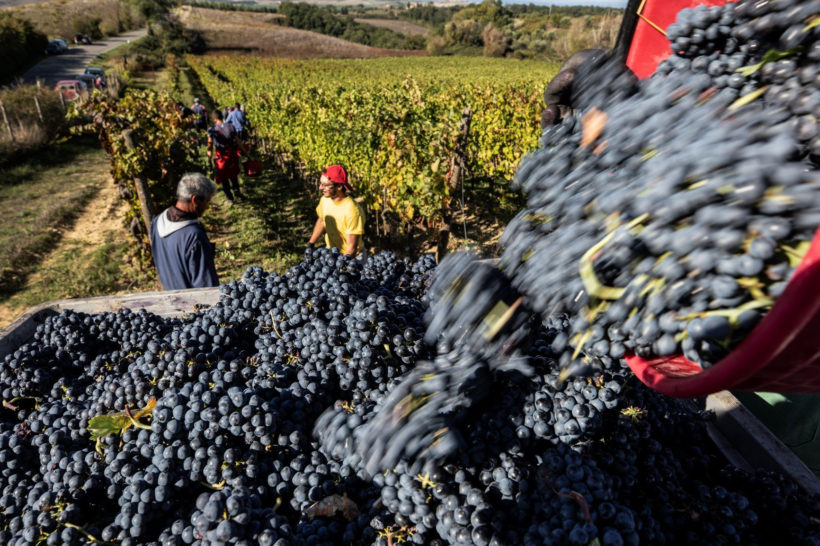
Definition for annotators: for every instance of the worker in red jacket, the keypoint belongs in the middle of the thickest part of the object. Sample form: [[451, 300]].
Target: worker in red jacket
[[224, 147]]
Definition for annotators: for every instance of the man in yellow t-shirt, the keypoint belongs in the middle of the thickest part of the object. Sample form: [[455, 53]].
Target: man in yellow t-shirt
[[340, 217]]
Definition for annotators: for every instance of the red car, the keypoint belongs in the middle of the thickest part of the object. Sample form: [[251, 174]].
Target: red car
[[71, 89]]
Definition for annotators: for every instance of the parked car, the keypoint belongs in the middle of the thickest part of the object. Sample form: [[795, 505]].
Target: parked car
[[56, 46], [82, 39], [96, 72], [72, 89], [88, 79]]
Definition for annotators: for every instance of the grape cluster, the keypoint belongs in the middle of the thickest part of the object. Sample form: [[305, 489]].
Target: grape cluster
[[667, 219], [749, 47]]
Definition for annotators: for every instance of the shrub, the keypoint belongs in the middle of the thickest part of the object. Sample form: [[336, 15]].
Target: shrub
[[87, 24], [30, 133], [436, 45], [20, 44], [495, 43]]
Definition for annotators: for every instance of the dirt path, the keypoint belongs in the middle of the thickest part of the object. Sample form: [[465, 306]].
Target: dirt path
[[100, 221], [102, 216]]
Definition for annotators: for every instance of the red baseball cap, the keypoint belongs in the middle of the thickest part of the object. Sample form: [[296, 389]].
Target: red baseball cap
[[337, 175]]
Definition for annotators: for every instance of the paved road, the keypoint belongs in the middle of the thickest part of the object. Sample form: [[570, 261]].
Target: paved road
[[66, 65]]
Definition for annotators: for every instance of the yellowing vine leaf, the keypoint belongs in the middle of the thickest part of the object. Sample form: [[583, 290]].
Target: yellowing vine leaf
[[119, 422]]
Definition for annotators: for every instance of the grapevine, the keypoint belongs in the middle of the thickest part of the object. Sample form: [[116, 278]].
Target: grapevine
[[392, 122]]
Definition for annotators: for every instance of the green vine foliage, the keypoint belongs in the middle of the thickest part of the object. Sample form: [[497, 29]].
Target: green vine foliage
[[392, 122], [165, 147]]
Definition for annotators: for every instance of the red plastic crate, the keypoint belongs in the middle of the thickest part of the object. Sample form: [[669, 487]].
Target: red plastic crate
[[782, 354], [649, 45], [253, 167]]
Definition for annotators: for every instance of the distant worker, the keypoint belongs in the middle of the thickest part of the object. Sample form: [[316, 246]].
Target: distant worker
[[239, 121], [224, 146], [201, 113], [182, 252], [340, 217]]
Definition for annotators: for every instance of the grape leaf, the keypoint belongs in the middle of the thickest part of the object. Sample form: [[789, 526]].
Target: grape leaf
[[117, 423], [769, 57]]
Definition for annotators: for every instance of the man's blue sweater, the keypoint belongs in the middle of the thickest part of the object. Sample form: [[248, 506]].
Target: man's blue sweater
[[183, 254], [238, 120]]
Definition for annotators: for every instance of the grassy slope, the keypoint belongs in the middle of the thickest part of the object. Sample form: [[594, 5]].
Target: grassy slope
[[38, 197], [58, 18], [269, 228], [259, 34], [45, 202]]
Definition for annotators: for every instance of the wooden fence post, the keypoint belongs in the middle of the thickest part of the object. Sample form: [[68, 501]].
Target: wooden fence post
[[39, 110], [458, 164], [141, 185], [6, 121]]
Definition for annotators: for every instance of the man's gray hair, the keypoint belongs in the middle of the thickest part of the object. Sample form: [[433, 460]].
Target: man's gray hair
[[194, 184]]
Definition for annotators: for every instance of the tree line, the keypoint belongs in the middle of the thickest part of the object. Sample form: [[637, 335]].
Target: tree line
[[323, 20]]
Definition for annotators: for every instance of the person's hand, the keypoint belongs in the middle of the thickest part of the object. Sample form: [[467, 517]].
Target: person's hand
[[557, 96], [310, 245]]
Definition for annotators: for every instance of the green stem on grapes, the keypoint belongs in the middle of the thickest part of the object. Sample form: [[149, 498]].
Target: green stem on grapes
[[579, 342], [592, 284], [87, 535], [795, 254], [748, 98], [134, 422], [770, 56], [653, 286], [754, 287], [275, 329], [498, 316], [600, 308], [214, 486], [732, 314]]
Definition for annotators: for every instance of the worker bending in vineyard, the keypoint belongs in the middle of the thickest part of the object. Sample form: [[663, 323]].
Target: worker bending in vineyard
[[182, 252], [224, 146], [340, 217]]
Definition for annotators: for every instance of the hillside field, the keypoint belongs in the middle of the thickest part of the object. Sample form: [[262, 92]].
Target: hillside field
[[263, 34]]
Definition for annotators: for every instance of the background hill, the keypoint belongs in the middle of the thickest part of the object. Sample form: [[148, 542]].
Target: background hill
[[264, 34]]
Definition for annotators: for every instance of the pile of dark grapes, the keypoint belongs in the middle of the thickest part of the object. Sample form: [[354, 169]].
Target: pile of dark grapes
[[260, 402], [381, 401]]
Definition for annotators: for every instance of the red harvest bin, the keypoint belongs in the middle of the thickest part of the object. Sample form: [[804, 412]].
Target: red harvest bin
[[782, 354], [649, 45]]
